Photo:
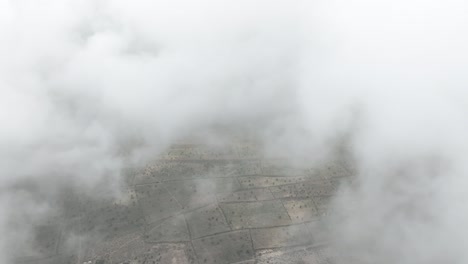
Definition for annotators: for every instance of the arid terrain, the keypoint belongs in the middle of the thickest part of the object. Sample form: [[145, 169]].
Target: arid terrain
[[194, 204]]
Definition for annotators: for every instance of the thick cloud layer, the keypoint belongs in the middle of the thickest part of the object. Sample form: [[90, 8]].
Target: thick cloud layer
[[89, 87]]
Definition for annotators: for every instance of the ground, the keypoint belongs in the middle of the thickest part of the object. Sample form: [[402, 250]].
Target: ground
[[197, 205]]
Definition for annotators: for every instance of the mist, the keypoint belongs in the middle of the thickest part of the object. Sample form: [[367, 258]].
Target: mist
[[89, 88]]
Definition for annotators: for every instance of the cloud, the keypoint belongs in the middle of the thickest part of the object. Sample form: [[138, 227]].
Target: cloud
[[89, 87]]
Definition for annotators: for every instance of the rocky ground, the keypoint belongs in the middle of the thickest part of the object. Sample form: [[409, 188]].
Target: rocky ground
[[199, 205]]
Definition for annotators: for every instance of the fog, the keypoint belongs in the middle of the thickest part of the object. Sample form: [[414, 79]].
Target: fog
[[88, 88]]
